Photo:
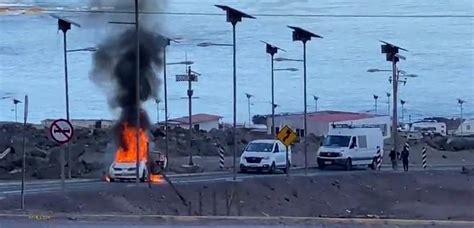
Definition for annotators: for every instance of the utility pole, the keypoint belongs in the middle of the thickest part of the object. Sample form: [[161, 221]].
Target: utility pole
[[248, 95], [375, 100], [391, 52], [189, 77], [304, 36]]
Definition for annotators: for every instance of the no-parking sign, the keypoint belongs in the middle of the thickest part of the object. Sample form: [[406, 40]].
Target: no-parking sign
[[61, 131]]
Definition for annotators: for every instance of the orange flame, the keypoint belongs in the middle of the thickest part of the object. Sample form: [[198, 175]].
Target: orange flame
[[156, 178], [128, 153]]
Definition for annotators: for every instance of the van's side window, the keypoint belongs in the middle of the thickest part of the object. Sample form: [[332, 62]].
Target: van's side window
[[353, 142], [276, 148], [362, 141]]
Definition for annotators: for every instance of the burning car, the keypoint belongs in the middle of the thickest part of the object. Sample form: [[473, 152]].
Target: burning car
[[124, 166]]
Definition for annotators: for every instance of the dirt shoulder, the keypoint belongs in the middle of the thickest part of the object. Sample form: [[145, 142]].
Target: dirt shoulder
[[440, 195]]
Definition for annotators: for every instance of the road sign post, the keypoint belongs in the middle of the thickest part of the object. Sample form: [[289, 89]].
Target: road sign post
[[287, 136], [61, 131]]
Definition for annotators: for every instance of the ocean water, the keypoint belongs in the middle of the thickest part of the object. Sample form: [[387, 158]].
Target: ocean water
[[441, 52]]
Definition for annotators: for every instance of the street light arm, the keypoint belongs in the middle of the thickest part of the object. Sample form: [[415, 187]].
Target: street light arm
[[207, 44], [286, 69], [90, 49], [281, 59]]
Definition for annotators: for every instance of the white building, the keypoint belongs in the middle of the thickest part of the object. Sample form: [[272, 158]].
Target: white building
[[466, 128], [320, 122], [200, 121], [429, 127]]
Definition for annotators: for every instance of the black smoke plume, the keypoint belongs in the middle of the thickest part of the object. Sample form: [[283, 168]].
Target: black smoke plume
[[115, 69]]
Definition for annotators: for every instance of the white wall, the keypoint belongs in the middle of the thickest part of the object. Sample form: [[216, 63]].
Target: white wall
[[467, 128], [206, 126], [379, 120]]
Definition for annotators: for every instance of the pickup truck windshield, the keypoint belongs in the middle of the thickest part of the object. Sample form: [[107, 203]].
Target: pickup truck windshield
[[337, 141], [260, 147]]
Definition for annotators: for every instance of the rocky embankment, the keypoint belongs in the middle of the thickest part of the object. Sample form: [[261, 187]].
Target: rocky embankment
[[92, 150]]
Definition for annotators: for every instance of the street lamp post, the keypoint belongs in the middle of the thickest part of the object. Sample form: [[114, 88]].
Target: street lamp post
[[302, 35], [64, 25], [16, 102], [248, 95], [461, 102], [315, 98], [388, 102], [157, 101], [167, 42], [137, 85], [403, 102], [272, 50], [375, 100], [234, 16]]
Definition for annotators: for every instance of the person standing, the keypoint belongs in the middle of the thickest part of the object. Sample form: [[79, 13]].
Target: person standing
[[404, 157], [393, 159]]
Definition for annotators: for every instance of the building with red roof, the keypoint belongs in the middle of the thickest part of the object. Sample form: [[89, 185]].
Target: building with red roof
[[200, 121], [320, 122]]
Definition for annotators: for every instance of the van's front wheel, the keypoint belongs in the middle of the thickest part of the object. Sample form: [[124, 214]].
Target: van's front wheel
[[348, 165], [272, 168]]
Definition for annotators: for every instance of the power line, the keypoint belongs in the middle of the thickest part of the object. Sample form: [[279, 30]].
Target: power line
[[266, 14]]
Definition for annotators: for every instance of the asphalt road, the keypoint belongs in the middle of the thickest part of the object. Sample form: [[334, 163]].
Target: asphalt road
[[11, 188]]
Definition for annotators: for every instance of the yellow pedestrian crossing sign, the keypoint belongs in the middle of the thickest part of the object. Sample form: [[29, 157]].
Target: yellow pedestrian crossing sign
[[287, 136]]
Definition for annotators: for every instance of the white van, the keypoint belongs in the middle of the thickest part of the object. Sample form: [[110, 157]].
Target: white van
[[268, 154], [350, 146]]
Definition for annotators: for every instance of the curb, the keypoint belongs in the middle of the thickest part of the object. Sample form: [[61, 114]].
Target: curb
[[242, 219], [10, 183]]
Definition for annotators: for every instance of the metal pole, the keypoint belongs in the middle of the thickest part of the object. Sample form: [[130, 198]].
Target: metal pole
[[190, 118], [388, 100], [461, 119], [16, 119], [166, 106], [157, 111], [23, 169], [305, 112], [248, 104], [316, 104], [273, 97], [403, 113], [66, 82], [375, 106], [137, 88], [286, 165], [234, 82], [395, 104]]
